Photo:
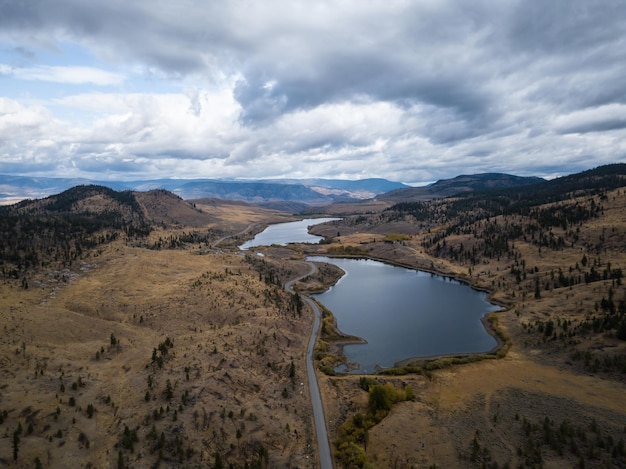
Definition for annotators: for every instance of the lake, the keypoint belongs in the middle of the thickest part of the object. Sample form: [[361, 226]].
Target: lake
[[404, 313], [401, 313], [285, 233]]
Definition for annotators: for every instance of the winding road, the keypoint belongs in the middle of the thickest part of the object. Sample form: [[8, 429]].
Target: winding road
[[244, 231], [319, 420]]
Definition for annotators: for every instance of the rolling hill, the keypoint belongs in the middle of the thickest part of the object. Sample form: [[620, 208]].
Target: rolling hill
[[61, 227]]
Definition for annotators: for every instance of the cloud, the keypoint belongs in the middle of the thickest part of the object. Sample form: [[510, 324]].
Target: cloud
[[565, 28], [18, 122], [413, 91], [195, 104], [390, 51], [414, 53], [65, 74], [599, 119]]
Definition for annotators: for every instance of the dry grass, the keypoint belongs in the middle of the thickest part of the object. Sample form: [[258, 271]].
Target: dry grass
[[537, 379], [234, 217], [234, 342]]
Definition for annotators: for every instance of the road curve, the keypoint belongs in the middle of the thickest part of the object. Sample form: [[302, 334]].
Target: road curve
[[319, 420], [244, 231]]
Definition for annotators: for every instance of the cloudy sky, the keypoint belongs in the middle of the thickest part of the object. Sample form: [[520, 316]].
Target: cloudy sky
[[411, 91]]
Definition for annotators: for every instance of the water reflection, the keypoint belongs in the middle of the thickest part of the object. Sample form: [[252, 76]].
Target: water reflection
[[285, 233], [404, 313]]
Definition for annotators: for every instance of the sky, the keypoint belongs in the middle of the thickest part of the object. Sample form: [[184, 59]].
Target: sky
[[410, 91]]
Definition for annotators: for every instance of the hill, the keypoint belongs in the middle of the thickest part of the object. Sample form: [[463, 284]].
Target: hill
[[133, 336], [348, 189], [145, 348], [253, 192], [167, 209], [459, 185], [552, 255], [62, 227]]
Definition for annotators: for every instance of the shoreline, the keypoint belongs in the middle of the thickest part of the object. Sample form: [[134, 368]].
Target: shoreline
[[351, 340], [429, 358]]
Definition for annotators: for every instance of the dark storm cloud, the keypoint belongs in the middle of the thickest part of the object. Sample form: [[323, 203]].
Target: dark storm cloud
[[444, 54], [403, 55], [602, 126], [20, 15], [575, 48], [358, 79], [572, 27], [409, 58], [150, 32]]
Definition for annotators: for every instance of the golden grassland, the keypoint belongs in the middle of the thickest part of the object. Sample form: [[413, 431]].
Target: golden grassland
[[135, 357], [509, 412], [234, 217], [178, 357]]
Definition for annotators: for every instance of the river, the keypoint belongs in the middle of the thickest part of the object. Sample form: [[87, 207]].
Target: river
[[285, 233]]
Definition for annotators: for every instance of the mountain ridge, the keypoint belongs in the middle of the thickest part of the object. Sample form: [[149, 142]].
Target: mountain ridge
[[461, 184], [310, 191]]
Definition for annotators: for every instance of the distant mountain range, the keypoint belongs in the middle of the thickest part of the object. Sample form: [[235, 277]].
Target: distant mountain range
[[293, 195], [459, 185], [263, 192]]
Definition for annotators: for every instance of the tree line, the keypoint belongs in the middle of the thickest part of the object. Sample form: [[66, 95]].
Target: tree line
[[56, 231]]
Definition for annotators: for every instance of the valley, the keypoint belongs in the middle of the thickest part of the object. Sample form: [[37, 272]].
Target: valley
[[155, 342]]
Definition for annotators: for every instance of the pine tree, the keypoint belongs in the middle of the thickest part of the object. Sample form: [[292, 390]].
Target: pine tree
[[16, 444]]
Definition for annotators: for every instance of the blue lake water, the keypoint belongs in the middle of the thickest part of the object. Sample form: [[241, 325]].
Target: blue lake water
[[404, 313], [285, 233], [401, 313]]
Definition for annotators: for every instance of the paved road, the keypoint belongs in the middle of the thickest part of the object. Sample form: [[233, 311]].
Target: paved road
[[323, 447], [248, 228]]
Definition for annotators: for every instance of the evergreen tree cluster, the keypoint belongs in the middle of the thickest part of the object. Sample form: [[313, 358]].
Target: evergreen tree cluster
[[61, 229]]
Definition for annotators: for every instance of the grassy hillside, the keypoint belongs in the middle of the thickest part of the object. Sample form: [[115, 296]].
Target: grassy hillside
[[554, 254], [146, 349]]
